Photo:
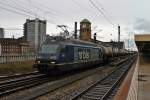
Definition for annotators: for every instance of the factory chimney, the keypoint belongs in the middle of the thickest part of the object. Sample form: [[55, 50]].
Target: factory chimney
[[94, 37], [118, 38], [75, 30]]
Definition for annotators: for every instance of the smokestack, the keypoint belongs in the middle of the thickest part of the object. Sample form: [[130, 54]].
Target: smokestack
[[118, 38], [75, 30], [94, 37]]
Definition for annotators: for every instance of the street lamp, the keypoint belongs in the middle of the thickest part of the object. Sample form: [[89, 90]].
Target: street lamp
[[95, 35]]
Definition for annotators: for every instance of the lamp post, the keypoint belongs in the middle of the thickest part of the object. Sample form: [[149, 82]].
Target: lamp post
[[112, 46], [95, 35], [118, 38]]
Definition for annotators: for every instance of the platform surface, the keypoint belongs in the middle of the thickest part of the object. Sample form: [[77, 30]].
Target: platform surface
[[144, 78]]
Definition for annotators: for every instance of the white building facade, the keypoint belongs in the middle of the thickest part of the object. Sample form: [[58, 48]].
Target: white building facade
[[1, 33], [35, 32]]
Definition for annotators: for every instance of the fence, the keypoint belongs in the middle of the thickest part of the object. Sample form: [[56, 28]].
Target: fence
[[17, 57]]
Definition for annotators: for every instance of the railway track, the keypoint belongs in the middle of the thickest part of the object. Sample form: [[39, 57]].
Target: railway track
[[105, 88], [20, 82], [2, 78], [17, 84]]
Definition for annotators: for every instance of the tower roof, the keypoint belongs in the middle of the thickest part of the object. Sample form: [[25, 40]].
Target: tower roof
[[85, 21]]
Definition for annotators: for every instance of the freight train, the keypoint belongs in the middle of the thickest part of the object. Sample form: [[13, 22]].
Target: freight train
[[59, 55]]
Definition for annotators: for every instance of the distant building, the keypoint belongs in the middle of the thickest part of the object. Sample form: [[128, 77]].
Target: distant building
[[85, 30], [0, 49], [143, 43], [35, 32], [1, 33], [14, 46], [120, 45]]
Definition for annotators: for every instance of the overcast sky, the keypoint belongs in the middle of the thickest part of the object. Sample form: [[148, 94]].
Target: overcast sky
[[132, 15]]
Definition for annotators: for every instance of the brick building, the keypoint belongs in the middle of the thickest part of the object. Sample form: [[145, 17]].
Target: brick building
[[14, 46], [85, 30]]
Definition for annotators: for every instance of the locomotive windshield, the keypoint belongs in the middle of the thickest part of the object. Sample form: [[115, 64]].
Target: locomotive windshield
[[49, 49]]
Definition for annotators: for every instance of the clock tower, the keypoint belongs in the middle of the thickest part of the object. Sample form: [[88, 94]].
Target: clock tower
[[85, 30]]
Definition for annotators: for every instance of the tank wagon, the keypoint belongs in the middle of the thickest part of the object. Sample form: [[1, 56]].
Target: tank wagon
[[58, 55]]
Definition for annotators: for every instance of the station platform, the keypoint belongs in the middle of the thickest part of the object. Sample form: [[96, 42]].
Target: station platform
[[136, 85], [144, 78]]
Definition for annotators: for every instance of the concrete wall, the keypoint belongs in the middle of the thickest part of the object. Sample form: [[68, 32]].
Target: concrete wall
[[15, 58]]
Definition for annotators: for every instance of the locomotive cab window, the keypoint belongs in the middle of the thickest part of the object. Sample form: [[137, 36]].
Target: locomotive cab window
[[50, 49], [63, 49]]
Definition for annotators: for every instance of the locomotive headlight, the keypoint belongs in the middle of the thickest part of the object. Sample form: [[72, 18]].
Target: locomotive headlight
[[38, 61], [53, 62]]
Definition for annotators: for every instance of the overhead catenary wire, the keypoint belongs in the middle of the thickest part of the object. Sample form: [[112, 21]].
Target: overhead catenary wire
[[101, 6], [51, 11], [101, 9], [20, 11], [16, 3], [83, 7], [16, 8], [102, 13], [21, 5], [24, 12], [13, 11], [34, 6]]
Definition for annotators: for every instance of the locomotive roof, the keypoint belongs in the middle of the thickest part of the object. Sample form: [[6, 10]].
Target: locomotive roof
[[68, 41]]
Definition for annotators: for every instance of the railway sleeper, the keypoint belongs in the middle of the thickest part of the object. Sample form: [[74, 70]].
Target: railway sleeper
[[89, 97]]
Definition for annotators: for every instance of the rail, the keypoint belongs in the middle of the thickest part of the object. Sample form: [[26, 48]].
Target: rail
[[28, 80], [57, 83], [2, 78], [104, 88]]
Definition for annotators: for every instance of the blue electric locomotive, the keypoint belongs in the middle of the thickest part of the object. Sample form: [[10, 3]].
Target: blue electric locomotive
[[65, 54]]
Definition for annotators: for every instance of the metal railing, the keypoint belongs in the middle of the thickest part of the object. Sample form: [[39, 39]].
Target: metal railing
[[16, 57]]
